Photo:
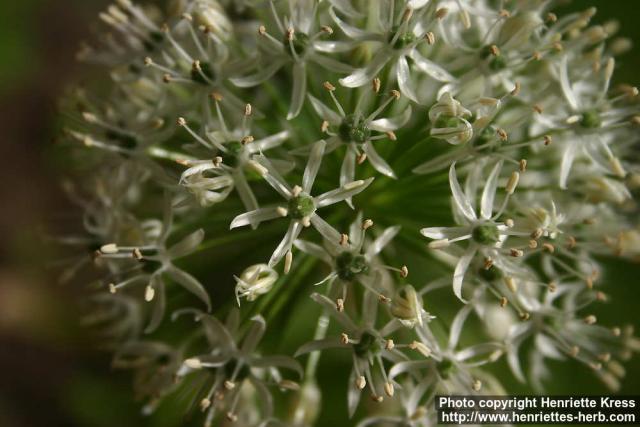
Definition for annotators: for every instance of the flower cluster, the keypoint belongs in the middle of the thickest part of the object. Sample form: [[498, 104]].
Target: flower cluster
[[350, 128]]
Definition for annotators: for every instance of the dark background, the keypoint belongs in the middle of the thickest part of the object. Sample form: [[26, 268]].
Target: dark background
[[50, 374]]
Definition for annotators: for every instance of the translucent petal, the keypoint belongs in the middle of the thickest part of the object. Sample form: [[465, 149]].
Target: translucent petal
[[322, 344], [460, 271], [342, 193], [383, 240], [268, 142], [325, 230], [377, 161], [459, 197], [489, 192], [246, 194], [262, 75], [363, 76], [313, 249], [456, 326], [340, 316], [285, 244], [349, 30], [345, 7], [565, 84], [254, 217], [391, 123], [567, 162], [332, 46], [253, 337], [405, 83], [190, 283], [313, 165], [431, 68], [348, 170], [159, 303], [330, 64], [324, 111], [299, 90], [278, 362], [186, 245]]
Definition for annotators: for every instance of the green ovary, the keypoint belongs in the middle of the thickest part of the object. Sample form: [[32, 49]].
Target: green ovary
[[301, 206]]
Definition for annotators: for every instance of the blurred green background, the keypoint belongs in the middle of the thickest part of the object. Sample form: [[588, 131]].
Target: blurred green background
[[51, 373]]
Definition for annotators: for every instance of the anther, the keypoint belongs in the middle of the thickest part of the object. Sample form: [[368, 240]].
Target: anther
[[502, 134], [438, 244], [290, 33], [509, 222], [421, 348], [430, 37], [442, 12], [511, 284], [344, 339], [193, 363], [537, 233], [232, 417], [574, 351], [516, 253], [388, 389], [246, 139], [376, 85], [503, 301], [149, 293], [288, 259], [549, 248], [109, 248], [367, 223], [616, 331], [523, 165], [533, 244], [262, 30], [512, 183], [282, 211], [404, 271], [229, 385], [327, 29], [551, 18], [248, 110], [328, 86], [389, 344], [476, 385], [344, 239], [340, 305], [376, 398], [205, 404], [361, 158], [524, 316], [552, 287], [216, 96], [137, 254], [571, 242], [516, 89], [391, 135], [324, 127], [112, 288], [494, 50], [396, 94], [296, 190], [361, 382], [590, 319], [181, 121], [537, 108]]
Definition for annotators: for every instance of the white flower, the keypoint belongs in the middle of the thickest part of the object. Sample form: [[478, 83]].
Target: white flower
[[300, 205], [484, 233]]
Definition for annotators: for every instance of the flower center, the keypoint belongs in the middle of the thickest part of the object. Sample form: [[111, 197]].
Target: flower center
[[301, 206], [233, 156], [496, 62], [590, 120], [349, 131], [300, 43], [404, 40], [446, 368], [485, 234], [367, 345], [348, 265]]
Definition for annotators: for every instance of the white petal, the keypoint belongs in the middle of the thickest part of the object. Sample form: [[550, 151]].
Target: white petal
[[254, 217], [391, 123], [246, 195], [299, 89], [253, 337], [333, 46], [404, 79], [325, 230], [269, 142], [262, 75], [339, 194], [186, 245], [363, 76], [431, 68], [330, 64], [456, 326], [567, 90], [489, 192], [285, 244], [567, 162], [348, 170], [377, 161], [349, 30], [387, 235], [345, 7], [324, 111], [460, 271], [443, 232], [313, 249], [313, 165], [190, 283], [459, 197]]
